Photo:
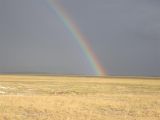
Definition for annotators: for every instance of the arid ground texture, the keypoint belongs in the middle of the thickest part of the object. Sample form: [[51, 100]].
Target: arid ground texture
[[25, 97]]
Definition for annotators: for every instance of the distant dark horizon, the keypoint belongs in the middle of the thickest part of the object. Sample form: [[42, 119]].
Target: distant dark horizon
[[78, 75]]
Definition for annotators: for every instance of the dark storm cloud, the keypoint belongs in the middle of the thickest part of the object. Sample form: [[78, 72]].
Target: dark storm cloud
[[35, 40], [125, 34]]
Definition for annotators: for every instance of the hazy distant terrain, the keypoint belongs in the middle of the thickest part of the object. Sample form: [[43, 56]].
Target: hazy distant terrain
[[78, 98]]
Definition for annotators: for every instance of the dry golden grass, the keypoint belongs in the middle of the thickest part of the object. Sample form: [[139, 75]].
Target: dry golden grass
[[78, 98]]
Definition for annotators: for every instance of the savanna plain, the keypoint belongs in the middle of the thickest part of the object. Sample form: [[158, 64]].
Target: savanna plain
[[24, 97]]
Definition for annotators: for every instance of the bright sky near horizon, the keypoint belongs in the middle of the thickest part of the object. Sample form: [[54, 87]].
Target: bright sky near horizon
[[123, 35]]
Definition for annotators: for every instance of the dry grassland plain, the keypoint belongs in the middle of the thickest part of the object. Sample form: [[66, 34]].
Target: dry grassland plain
[[78, 98]]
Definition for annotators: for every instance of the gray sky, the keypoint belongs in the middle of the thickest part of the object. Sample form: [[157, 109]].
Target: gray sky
[[125, 35]]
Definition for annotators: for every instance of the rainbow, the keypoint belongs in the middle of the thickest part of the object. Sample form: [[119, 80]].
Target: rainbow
[[79, 37]]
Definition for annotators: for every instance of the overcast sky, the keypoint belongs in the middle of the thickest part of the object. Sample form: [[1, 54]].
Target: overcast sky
[[125, 35]]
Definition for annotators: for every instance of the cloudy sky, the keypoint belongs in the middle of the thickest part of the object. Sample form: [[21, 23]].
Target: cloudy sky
[[124, 34]]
